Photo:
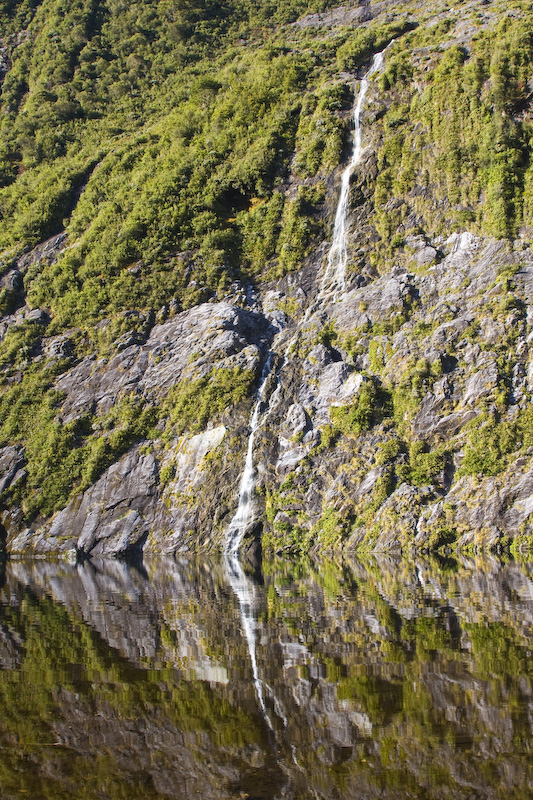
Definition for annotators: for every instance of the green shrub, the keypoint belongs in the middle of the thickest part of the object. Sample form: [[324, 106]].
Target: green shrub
[[491, 441], [425, 463], [191, 404], [352, 420], [327, 335], [388, 451]]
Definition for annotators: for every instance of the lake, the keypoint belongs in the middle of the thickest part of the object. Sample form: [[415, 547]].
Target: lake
[[210, 679]]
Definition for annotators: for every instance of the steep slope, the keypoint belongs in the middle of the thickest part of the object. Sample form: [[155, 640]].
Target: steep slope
[[187, 166]]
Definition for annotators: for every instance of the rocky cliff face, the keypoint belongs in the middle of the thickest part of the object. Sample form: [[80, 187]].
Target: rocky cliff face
[[378, 399], [397, 411]]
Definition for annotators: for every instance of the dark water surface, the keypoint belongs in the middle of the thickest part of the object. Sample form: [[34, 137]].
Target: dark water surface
[[380, 679]]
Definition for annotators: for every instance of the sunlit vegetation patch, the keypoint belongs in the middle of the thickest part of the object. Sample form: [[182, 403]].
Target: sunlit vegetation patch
[[156, 130], [190, 405], [492, 441], [63, 459], [456, 140]]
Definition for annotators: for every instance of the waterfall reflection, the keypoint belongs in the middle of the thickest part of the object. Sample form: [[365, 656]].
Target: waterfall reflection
[[245, 593], [332, 680]]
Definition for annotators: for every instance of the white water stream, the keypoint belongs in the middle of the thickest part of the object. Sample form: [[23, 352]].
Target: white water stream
[[332, 282], [244, 515], [334, 277], [245, 592]]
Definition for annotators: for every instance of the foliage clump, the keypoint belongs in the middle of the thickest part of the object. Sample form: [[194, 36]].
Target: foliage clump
[[192, 404], [493, 440], [462, 137], [358, 416]]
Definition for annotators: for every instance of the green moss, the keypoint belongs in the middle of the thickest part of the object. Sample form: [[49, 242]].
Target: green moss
[[320, 135], [190, 405], [389, 450], [64, 459], [286, 538], [383, 488], [330, 529], [166, 474], [376, 355], [522, 545], [299, 224], [425, 462], [492, 440], [329, 435], [462, 136]]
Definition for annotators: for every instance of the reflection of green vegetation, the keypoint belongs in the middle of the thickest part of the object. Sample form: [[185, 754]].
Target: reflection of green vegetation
[[498, 652], [429, 636], [366, 644], [379, 698], [67, 672], [419, 682]]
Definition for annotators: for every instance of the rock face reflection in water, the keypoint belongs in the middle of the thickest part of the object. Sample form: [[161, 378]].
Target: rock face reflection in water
[[379, 680]]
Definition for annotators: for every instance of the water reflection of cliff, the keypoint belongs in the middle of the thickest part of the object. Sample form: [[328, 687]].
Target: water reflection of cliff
[[384, 679]]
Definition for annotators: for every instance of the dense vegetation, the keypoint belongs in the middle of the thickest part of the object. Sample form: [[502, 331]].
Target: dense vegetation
[[159, 135], [183, 146], [158, 138], [465, 134]]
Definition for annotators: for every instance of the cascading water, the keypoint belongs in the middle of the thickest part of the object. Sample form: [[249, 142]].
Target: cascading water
[[332, 282], [334, 276], [242, 586], [244, 514]]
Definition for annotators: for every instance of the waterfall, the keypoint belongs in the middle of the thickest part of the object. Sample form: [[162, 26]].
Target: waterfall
[[332, 281], [241, 585], [244, 514], [334, 276]]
